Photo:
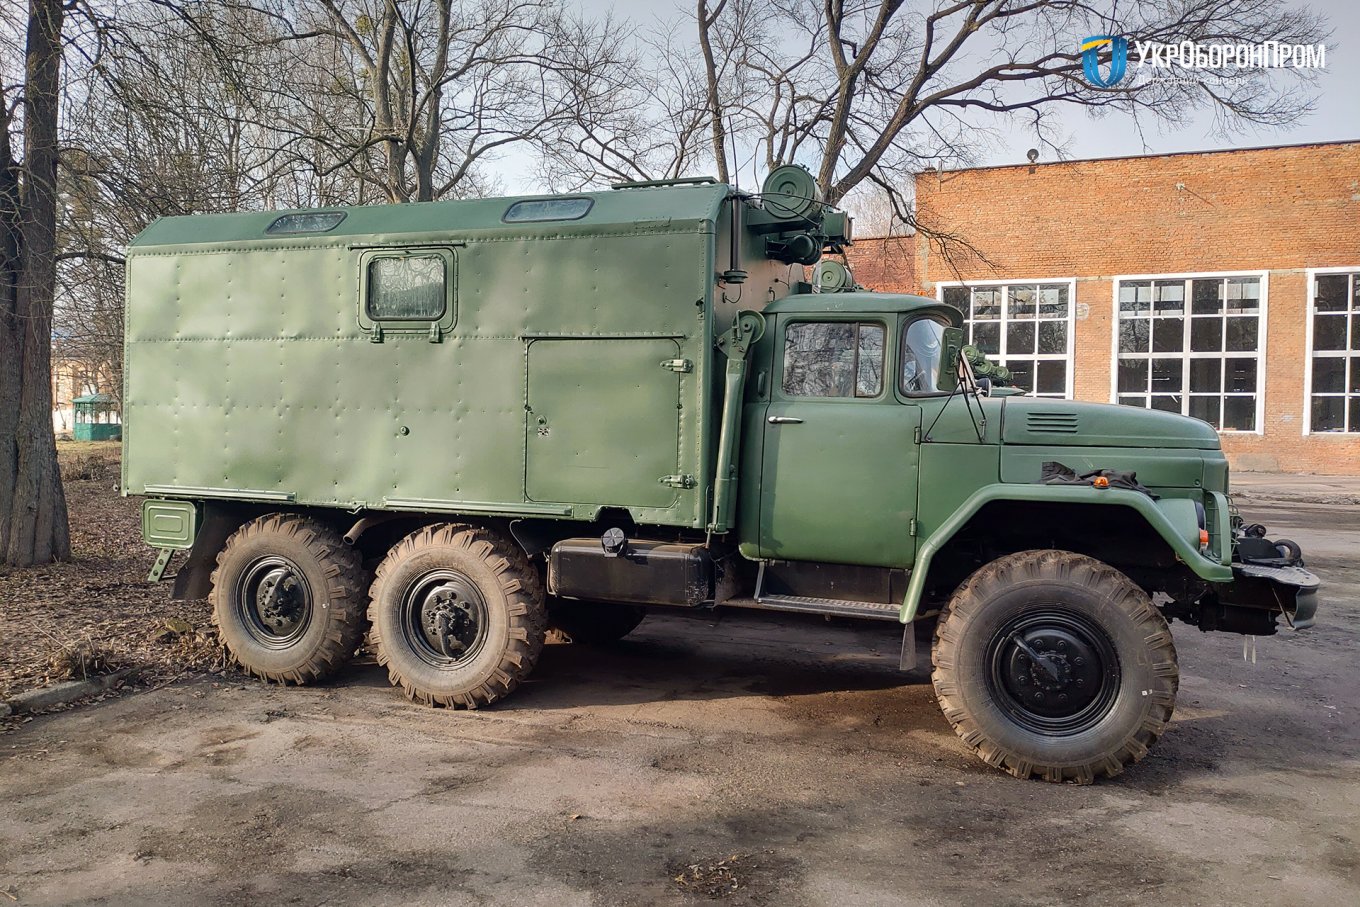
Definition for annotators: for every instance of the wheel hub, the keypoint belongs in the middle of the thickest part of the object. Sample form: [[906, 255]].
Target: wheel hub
[[445, 617], [275, 600], [1054, 671]]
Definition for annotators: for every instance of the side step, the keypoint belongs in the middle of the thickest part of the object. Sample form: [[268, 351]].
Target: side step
[[828, 606]]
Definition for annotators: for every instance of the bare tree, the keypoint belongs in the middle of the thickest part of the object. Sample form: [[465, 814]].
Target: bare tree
[[33, 522], [412, 98], [717, 67], [638, 114], [867, 92]]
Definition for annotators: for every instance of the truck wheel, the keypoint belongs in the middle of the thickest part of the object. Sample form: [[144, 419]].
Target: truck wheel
[[593, 623], [458, 616], [1054, 664], [288, 598]]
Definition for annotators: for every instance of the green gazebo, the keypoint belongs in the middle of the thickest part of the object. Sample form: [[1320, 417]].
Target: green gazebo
[[96, 418]]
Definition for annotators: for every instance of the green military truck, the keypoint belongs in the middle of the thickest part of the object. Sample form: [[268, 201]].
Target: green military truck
[[452, 426]]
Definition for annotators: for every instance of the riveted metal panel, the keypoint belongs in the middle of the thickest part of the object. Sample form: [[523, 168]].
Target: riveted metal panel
[[602, 421], [247, 367]]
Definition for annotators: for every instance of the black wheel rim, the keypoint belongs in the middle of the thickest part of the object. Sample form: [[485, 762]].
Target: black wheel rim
[[274, 602], [444, 618], [1053, 671]]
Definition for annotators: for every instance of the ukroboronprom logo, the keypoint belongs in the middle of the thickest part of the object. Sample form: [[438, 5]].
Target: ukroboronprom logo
[[1119, 59], [1194, 60]]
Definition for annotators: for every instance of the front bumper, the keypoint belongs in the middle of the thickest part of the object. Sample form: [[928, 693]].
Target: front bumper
[[1257, 595], [1294, 590]]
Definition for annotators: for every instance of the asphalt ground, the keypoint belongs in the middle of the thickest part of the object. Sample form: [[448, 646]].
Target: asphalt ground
[[749, 760]]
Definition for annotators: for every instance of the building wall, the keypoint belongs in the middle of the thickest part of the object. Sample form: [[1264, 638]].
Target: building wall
[[1280, 211]]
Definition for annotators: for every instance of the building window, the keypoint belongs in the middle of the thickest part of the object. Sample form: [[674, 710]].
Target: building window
[[833, 359], [1027, 327], [1334, 389], [1192, 346]]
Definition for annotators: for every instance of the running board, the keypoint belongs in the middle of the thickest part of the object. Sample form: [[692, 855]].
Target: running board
[[827, 606]]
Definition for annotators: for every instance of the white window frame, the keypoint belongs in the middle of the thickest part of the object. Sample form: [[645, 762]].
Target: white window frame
[[1067, 357], [1263, 321], [1310, 299]]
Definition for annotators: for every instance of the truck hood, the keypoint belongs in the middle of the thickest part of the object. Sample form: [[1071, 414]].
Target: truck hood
[[1034, 420]]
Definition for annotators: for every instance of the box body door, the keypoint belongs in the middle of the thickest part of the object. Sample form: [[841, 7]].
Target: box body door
[[603, 422]]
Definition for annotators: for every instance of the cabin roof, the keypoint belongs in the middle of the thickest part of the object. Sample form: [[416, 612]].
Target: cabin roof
[[888, 303]]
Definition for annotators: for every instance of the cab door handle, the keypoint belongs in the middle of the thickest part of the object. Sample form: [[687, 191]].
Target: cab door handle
[[784, 420]]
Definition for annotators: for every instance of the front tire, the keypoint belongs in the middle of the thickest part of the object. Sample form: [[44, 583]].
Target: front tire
[[288, 598], [1053, 664], [458, 616]]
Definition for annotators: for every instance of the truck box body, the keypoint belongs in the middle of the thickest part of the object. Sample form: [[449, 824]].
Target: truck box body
[[571, 369]]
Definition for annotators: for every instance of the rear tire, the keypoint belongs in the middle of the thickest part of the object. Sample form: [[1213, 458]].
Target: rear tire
[[1055, 665], [593, 623], [458, 616], [288, 598]]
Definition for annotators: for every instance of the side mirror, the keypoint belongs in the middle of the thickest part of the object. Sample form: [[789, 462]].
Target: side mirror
[[953, 349]]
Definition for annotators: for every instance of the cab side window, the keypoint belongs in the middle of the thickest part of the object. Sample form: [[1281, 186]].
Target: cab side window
[[833, 359]]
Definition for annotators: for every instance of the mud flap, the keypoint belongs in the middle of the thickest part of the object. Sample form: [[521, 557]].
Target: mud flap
[[907, 660]]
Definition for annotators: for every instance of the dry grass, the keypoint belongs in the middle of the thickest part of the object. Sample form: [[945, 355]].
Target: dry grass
[[98, 613]]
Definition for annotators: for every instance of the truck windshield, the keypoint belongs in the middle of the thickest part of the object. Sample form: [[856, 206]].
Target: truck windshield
[[922, 356]]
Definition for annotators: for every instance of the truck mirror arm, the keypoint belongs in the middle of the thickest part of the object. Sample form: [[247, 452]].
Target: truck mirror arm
[[968, 386]]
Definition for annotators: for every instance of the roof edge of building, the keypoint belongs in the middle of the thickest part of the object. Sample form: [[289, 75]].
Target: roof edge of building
[[1131, 157]]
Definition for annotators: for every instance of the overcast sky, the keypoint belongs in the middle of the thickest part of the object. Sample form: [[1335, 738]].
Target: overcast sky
[[1337, 115]]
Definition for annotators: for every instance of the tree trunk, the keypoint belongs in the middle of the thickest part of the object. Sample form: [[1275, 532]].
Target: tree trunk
[[715, 110], [33, 521], [10, 331]]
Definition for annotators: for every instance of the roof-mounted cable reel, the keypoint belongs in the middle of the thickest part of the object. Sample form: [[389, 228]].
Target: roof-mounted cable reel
[[790, 193], [833, 277], [791, 199]]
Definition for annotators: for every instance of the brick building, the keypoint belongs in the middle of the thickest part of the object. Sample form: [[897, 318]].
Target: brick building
[[1223, 285]]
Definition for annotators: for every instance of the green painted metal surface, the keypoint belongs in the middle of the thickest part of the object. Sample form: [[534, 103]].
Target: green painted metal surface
[[838, 474], [1068, 423], [251, 372], [604, 421], [1205, 568], [169, 524]]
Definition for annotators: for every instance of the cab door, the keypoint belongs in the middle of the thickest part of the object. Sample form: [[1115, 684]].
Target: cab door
[[841, 458]]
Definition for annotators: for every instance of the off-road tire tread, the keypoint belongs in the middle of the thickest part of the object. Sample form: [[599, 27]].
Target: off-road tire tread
[[347, 602], [1048, 566], [523, 587]]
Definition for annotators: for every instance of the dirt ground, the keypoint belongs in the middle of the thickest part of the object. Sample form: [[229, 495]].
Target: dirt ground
[[749, 761], [96, 613]]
